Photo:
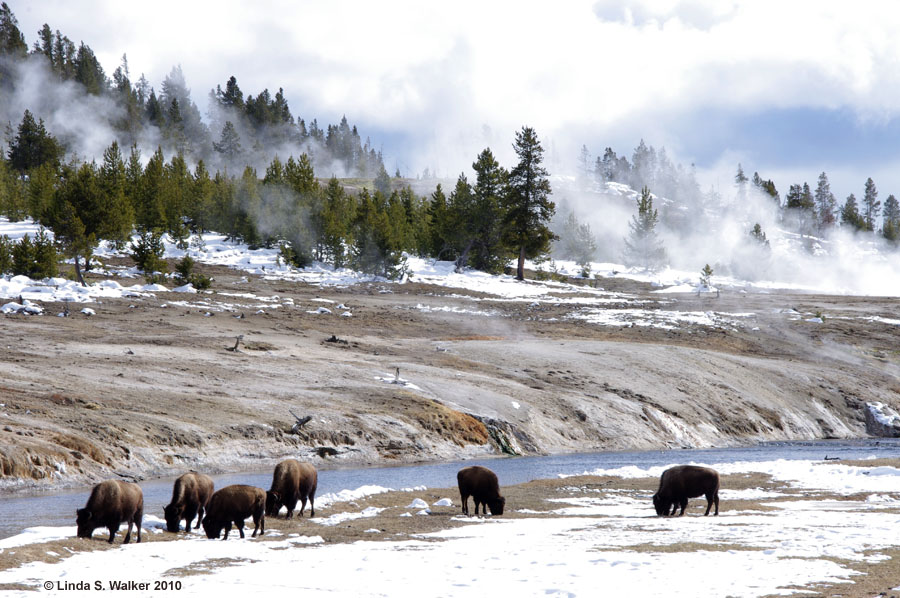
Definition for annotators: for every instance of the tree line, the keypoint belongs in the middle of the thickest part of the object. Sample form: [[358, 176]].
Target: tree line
[[502, 215], [242, 129]]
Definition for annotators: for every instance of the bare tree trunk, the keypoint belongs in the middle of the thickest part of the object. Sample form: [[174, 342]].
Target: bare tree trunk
[[520, 269], [464, 256], [78, 274]]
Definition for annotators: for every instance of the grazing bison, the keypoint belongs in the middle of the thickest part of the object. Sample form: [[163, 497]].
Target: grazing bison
[[190, 494], [112, 503], [678, 484], [481, 484], [292, 481], [233, 504]]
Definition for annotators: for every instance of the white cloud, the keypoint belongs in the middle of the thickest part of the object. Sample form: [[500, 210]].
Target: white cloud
[[436, 73]]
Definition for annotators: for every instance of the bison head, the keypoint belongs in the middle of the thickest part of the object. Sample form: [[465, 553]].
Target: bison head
[[85, 522], [662, 506], [273, 503], [212, 528], [173, 518], [496, 505]]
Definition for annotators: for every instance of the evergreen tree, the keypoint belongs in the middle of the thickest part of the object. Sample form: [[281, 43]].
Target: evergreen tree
[[88, 71], [528, 208], [740, 181], [850, 215], [12, 42], [440, 244], [825, 203], [577, 241], [480, 218], [81, 214], [382, 181], [891, 215], [33, 146], [767, 187], [118, 218], [584, 166], [643, 247], [758, 235], [150, 209], [870, 205], [338, 213]]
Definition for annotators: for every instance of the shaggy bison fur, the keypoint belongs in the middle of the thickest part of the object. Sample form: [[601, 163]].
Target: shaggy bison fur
[[190, 494], [233, 504], [292, 481], [678, 484], [481, 484], [112, 503]]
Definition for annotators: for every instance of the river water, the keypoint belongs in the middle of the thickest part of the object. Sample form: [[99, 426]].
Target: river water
[[58, 509]]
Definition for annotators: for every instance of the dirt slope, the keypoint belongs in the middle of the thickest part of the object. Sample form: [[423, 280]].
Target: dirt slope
[[149, 386]]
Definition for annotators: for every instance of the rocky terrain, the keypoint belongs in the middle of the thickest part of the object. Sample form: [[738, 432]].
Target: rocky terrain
[[152, 385]]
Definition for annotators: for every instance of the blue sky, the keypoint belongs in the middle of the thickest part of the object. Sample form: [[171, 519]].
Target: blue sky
[[785, 88]]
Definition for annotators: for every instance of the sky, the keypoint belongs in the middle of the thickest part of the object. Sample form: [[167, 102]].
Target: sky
[[786, 89]]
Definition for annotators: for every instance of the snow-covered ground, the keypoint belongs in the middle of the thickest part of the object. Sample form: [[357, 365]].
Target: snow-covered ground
[[610, 544]]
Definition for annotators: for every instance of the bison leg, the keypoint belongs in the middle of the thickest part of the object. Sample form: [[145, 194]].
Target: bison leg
[[260, 523], [716, 498], [709, 504], [302, 505], [312, 508], [128, 533], [684, 503], [200, 512], [112, 533], [189, 515], [464, 498], [239, 523], [228, 529]]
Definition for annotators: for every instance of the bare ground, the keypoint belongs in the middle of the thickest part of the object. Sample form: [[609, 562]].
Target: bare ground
[[149, 386]]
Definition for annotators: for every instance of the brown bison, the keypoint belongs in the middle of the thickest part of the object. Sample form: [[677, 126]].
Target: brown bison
[[678, 484], [190, 494], [292, 481], [234, 504], [481, 484], [112, 503]]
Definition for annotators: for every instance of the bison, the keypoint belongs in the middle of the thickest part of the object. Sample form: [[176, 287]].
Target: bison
[[291, 481], [190, 494], [481, 484], [234, 504], [678, 484], [112, 503]]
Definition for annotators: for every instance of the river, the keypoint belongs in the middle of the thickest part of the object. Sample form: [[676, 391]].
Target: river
[[58, 508]]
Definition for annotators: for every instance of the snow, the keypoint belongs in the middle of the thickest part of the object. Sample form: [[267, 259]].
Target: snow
[[613, 537], [883, 414]]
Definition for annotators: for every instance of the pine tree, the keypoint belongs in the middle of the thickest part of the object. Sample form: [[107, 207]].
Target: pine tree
[[118, 219], [706, 277], [528, 208], [850, 215], [229, 144], [870, 205], [643, 247], [12, 42], [825, 203], [740, 181], [891, 215], [758, 235], [33, 146], [577, 242], [382, 181], [439, 229]]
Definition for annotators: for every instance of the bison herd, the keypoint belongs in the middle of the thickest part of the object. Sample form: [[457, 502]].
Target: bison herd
[[115, 502]]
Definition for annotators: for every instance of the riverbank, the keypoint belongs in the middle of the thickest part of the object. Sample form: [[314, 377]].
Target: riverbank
[[784, 527], [149, 385]]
